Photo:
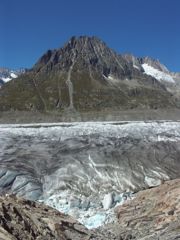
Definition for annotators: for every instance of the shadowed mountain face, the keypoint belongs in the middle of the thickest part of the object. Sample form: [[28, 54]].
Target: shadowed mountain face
[[82, 76]]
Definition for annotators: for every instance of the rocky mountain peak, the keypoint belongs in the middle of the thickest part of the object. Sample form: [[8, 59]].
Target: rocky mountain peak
[[89, 49], [154, 63], [84, 43], [86, 53]]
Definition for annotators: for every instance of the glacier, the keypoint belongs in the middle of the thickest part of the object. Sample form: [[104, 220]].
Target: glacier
[[86, 168]]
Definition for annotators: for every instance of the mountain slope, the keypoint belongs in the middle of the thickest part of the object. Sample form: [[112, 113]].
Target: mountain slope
[[85, 75]]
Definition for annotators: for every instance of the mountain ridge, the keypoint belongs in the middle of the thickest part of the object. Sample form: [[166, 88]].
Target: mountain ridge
[[87, 75]]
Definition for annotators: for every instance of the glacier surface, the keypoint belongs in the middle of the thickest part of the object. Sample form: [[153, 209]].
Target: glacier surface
[[85, 169]]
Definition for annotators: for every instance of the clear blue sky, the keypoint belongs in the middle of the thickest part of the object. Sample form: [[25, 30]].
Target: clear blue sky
[[142, 27]]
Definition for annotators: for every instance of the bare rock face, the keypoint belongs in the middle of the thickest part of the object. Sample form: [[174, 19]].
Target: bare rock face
[[89, 53], [23, 219], [152, 214]]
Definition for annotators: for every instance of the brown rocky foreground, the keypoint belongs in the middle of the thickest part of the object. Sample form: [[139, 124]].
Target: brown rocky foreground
[[23, 219], [153, 214]]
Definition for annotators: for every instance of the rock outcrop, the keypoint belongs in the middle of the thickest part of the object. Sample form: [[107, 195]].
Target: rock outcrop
[[23, 219], [153, 214]]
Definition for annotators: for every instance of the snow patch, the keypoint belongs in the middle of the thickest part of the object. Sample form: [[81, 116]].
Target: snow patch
[[9, 78], [135, 66], [159, 75], [152, 182], [111, 79], [6, 79], [13, 75]]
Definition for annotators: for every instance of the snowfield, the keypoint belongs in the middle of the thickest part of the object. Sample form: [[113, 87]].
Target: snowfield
[[159, 75]]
